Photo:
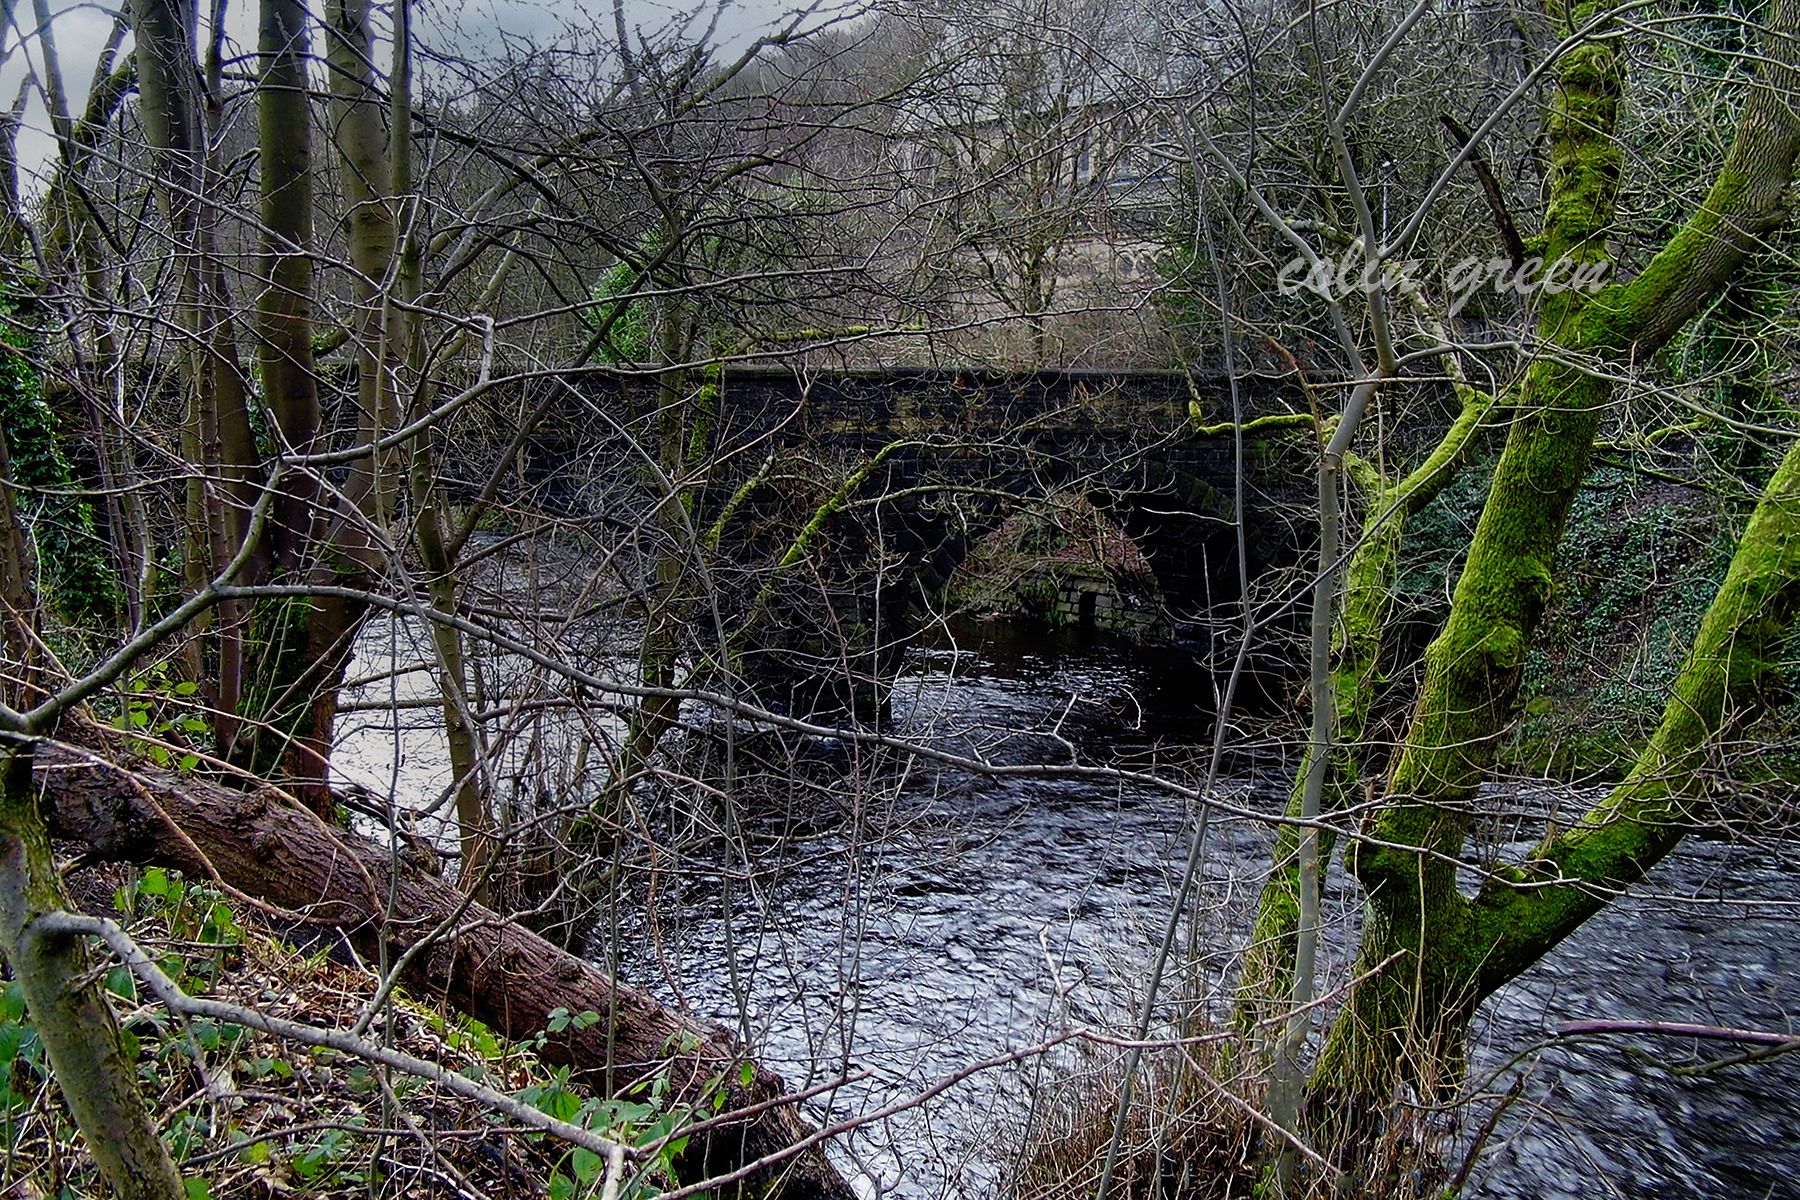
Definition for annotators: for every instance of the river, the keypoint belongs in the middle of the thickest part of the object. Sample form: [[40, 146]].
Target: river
[[901, 923]]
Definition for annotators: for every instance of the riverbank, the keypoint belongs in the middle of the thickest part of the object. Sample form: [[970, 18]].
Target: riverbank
[[248, 1115], [949, 920]]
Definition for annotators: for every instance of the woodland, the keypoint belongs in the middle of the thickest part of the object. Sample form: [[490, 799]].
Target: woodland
[[429, 679]]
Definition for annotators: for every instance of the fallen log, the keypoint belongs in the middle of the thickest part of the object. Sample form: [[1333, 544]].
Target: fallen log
[[266, 846]]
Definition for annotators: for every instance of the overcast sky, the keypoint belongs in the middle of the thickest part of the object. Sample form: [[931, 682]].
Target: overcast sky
[[475, 29]]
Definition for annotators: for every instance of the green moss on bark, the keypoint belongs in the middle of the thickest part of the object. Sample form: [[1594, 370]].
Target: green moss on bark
[[1399, 1023], [1355, 682], [66, 1004], [1473, 668], [1728, 676]]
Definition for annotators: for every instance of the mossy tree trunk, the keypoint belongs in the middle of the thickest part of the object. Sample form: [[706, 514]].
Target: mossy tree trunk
[[217, 438], [63, 994], [309, 642], [1729, 675], [1356, 678], [66, 1003], [1474, 946], [1407, 1023]]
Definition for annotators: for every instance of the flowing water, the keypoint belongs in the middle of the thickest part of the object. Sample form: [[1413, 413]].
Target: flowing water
[[910, 922]]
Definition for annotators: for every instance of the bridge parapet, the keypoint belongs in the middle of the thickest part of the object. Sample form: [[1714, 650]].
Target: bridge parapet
[[1123, 438], [933, 460]]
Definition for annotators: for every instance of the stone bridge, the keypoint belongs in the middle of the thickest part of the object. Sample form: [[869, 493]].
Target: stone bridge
[[1121, 439], [961, 451]]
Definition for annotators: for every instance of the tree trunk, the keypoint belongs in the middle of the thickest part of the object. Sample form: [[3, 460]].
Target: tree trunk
[[366, 177], [19, 634], [279, 700], [430, 504], [1406, 1024], [217, 438], [489, 967], [310, 644], [67, 1004], [1728, 677], [285, 308], [1267, 972]]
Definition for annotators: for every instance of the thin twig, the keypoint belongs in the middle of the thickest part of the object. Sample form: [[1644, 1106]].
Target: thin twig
[[178, 1001]]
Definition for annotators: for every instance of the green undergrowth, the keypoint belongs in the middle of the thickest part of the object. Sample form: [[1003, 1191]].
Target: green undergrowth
[[59, 518], [247, 1114], [1639, 562]]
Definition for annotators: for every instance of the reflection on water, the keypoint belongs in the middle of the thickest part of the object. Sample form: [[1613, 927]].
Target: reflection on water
[[929, 920]]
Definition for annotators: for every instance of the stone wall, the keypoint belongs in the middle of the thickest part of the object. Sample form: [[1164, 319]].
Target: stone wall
[[1119, 437], [959, 453]]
